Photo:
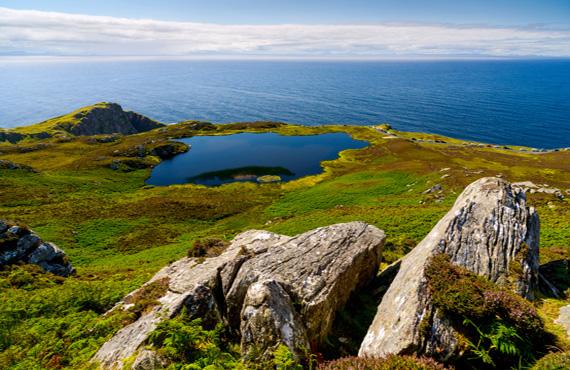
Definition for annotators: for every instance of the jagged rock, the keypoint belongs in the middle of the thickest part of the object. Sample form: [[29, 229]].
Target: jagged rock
[[268, 318], [296, 283], [20, 244], [141, 123], [109, 118], [488, 229]]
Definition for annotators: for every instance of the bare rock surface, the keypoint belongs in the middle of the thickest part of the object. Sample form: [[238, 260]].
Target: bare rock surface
[[564, 318], [488, 228], [110, 118], [18, 244], [268, 288]]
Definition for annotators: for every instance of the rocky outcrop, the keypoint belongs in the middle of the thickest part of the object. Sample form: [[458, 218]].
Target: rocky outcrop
[[9, 165], [489, 231], [19, 244], [11, 137], [267, 288], [108, 118], [169, 149], [141, 123], [99, 119]]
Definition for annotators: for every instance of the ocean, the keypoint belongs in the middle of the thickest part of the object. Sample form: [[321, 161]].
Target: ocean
[[516, 102]]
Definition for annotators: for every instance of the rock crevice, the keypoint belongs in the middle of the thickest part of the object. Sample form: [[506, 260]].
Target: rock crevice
[[267, 288], [489, 231]]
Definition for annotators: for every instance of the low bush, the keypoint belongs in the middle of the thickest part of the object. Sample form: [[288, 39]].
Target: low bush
[[553, 361], [187, 345], [208, 247], [147, 296], [392, 362], [497, 326]]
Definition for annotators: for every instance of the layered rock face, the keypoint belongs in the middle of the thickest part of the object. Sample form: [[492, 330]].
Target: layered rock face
[[488, 229], [268, 288], [110, 118], [19, 244]]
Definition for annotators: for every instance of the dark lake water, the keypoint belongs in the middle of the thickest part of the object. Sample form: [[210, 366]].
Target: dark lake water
[[216, 160], [518, 102]]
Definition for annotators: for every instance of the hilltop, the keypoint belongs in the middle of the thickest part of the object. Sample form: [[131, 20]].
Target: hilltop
[[97, 119], [87, 195]]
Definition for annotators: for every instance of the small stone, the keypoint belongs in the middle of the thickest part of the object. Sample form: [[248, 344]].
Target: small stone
[[268, 178], [564, 318], [433, 189]]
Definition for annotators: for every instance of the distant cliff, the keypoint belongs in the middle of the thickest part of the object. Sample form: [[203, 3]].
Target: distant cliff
[[98, 119]]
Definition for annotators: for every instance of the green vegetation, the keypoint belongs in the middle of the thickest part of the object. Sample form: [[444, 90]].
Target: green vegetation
[[187, 345], [118, 231], [389, 363], [56, 125], [553, 361], [241, 172], [498, 327]]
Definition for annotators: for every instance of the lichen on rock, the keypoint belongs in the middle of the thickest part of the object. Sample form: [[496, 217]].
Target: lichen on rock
[[488, 229], [19, 244], [268, 289]]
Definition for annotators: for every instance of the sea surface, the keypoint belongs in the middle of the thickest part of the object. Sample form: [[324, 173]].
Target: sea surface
[[216, 160], [524, 102]]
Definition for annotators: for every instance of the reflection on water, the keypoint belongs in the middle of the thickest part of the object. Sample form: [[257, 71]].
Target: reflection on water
[[216, 160]]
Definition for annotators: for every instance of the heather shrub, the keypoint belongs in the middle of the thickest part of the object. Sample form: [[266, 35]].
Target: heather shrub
[[553, 361], [392, 362], [496, 326], [208, 247]]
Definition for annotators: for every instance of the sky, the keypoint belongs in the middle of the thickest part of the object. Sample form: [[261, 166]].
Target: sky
[[293, 28]]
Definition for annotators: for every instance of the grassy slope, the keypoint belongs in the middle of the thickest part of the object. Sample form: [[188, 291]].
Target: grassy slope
[[51, 126], [118, 231]]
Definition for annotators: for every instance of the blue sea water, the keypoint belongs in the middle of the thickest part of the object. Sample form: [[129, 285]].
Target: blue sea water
[[523, 102]]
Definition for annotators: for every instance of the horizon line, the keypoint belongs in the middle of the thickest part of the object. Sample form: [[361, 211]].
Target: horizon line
[[253, 57]]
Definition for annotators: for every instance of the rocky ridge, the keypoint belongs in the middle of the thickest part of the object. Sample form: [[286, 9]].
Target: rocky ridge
[[108, 118], [99, 119]]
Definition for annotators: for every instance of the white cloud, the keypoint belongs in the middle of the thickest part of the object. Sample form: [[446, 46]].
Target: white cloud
[[28, 32]]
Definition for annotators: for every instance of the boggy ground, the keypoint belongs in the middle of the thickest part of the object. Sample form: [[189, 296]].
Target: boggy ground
[[119, 231]]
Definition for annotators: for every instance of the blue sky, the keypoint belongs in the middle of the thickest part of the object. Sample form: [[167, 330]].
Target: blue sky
[[293, 28], [498, 12]]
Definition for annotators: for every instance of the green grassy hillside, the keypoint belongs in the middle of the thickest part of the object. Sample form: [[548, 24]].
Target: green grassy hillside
[[119, 231]]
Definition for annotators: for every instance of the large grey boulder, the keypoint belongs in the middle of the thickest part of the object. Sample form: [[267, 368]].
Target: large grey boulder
[[488, 229], [18, 244], [268, 288]]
